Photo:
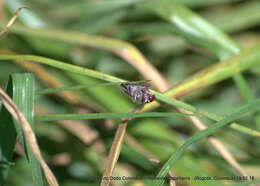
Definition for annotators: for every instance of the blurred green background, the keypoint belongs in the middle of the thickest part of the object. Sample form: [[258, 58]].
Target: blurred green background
[[76, 150]]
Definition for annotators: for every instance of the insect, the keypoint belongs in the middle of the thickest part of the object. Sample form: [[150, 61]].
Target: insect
[[137, 91]]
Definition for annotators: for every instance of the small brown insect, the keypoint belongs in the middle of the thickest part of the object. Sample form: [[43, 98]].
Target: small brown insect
[[138, 92]]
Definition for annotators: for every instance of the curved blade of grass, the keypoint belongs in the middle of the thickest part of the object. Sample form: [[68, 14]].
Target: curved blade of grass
[[194, 28], [64, 66], [21, 88], [198, 31], [55, 117], [213, 74], [210, 130], [184, 26], [190, 26], [121, 48]]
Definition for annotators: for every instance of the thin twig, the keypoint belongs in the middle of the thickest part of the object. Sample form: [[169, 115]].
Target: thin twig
[[11, 20]]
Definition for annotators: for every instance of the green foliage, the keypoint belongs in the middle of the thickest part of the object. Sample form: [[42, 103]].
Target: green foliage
[[81, 51], [21, 89]]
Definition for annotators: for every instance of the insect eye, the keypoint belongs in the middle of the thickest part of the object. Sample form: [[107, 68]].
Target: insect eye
[[151, 98]]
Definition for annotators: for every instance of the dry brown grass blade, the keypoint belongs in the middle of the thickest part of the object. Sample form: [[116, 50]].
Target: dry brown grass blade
[[116, 148], [137, 60], [29, 135], [114, 154], [11, 21]]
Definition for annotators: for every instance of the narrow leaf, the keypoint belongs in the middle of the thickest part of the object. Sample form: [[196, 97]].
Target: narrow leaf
[[23, 95], [56, 117], [210, 130]]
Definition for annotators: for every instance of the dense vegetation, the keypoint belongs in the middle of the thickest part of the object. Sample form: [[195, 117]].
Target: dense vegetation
[[62, 63]]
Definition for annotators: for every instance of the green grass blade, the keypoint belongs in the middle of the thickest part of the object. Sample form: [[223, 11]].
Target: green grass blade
[[174, 102], [69, 88], [23, 95], [198, 31], [56, 117], [99, 42], [123, 49], [77, 87], [243, 87], [237, 18], [211, 75], [188, 24], [194, 28], [210, 130], [159, 96], [110, 97], [202, 3], [7, 142], [199, 112], [64, 66], [215, 73], [119, 38]]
